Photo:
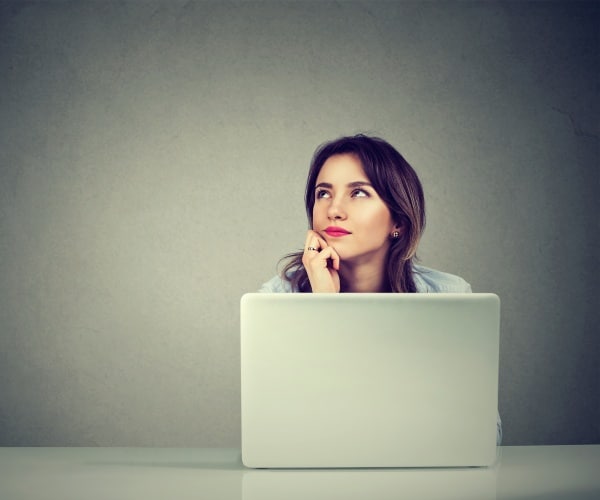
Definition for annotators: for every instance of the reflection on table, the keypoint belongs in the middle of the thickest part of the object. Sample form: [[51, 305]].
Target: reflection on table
[[522, 472]]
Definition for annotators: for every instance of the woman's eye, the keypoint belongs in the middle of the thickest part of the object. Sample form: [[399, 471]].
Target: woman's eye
[[321, 193], [359, 193]]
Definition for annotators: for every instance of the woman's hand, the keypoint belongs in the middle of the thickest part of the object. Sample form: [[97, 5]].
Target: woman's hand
[[322, 264]]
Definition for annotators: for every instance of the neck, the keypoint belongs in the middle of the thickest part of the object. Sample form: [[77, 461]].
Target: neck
[[363, 278]]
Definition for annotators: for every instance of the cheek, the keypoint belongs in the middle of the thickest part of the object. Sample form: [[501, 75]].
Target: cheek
[[316, 214], [379, 220], [318, 210]]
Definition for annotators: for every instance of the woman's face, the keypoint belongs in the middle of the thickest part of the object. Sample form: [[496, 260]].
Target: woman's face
[[348, 213]]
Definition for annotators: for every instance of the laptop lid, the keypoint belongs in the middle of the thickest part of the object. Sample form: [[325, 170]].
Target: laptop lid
[[369, 380]]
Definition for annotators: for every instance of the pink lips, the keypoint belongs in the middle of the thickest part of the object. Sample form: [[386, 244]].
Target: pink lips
[[336, 232]]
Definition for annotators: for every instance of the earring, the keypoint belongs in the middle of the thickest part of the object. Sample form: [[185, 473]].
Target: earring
[[396, 235]]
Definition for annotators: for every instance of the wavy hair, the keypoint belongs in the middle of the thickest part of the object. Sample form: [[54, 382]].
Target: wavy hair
[[396, 183]]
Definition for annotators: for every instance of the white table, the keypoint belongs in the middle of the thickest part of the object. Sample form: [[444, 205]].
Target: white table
[[521, 472]]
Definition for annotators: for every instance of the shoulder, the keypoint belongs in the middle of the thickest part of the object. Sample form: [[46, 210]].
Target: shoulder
[[276, 285], [427, 280], [432, 281]]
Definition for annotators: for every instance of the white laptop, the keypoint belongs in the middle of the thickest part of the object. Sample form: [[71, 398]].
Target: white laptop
[[369, 380]]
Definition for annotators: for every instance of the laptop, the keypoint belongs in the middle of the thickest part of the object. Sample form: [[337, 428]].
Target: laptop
[[369, 380]]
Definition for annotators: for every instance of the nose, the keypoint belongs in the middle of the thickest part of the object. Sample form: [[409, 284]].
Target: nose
[[336, 211]]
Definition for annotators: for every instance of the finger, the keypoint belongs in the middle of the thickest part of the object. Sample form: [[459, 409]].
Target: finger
[[329, 254], [335, 259], [322, 275], [321, 259], [309, 238], [314, 242], [321, 240], [311, 241]]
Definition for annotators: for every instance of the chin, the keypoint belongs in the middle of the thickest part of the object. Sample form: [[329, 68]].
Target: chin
[[351, 257], [364, 257]]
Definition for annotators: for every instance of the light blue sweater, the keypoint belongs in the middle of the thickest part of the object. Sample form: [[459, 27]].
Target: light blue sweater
[[426, 280]]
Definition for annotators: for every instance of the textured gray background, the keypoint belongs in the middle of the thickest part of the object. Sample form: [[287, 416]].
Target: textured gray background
[[153, 158]]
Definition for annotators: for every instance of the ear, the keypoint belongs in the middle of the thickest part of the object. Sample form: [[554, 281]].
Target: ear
[[397, 231]]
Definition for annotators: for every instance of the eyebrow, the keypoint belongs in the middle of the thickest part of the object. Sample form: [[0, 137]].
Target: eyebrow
[[354, 184]]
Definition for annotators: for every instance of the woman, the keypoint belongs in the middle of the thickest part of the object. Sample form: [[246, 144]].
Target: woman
[[366, 214]]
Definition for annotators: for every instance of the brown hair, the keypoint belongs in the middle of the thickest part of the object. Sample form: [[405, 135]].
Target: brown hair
[[396, 183]]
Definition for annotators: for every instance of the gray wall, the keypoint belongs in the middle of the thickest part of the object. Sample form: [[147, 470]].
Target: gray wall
[[153, 158]]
